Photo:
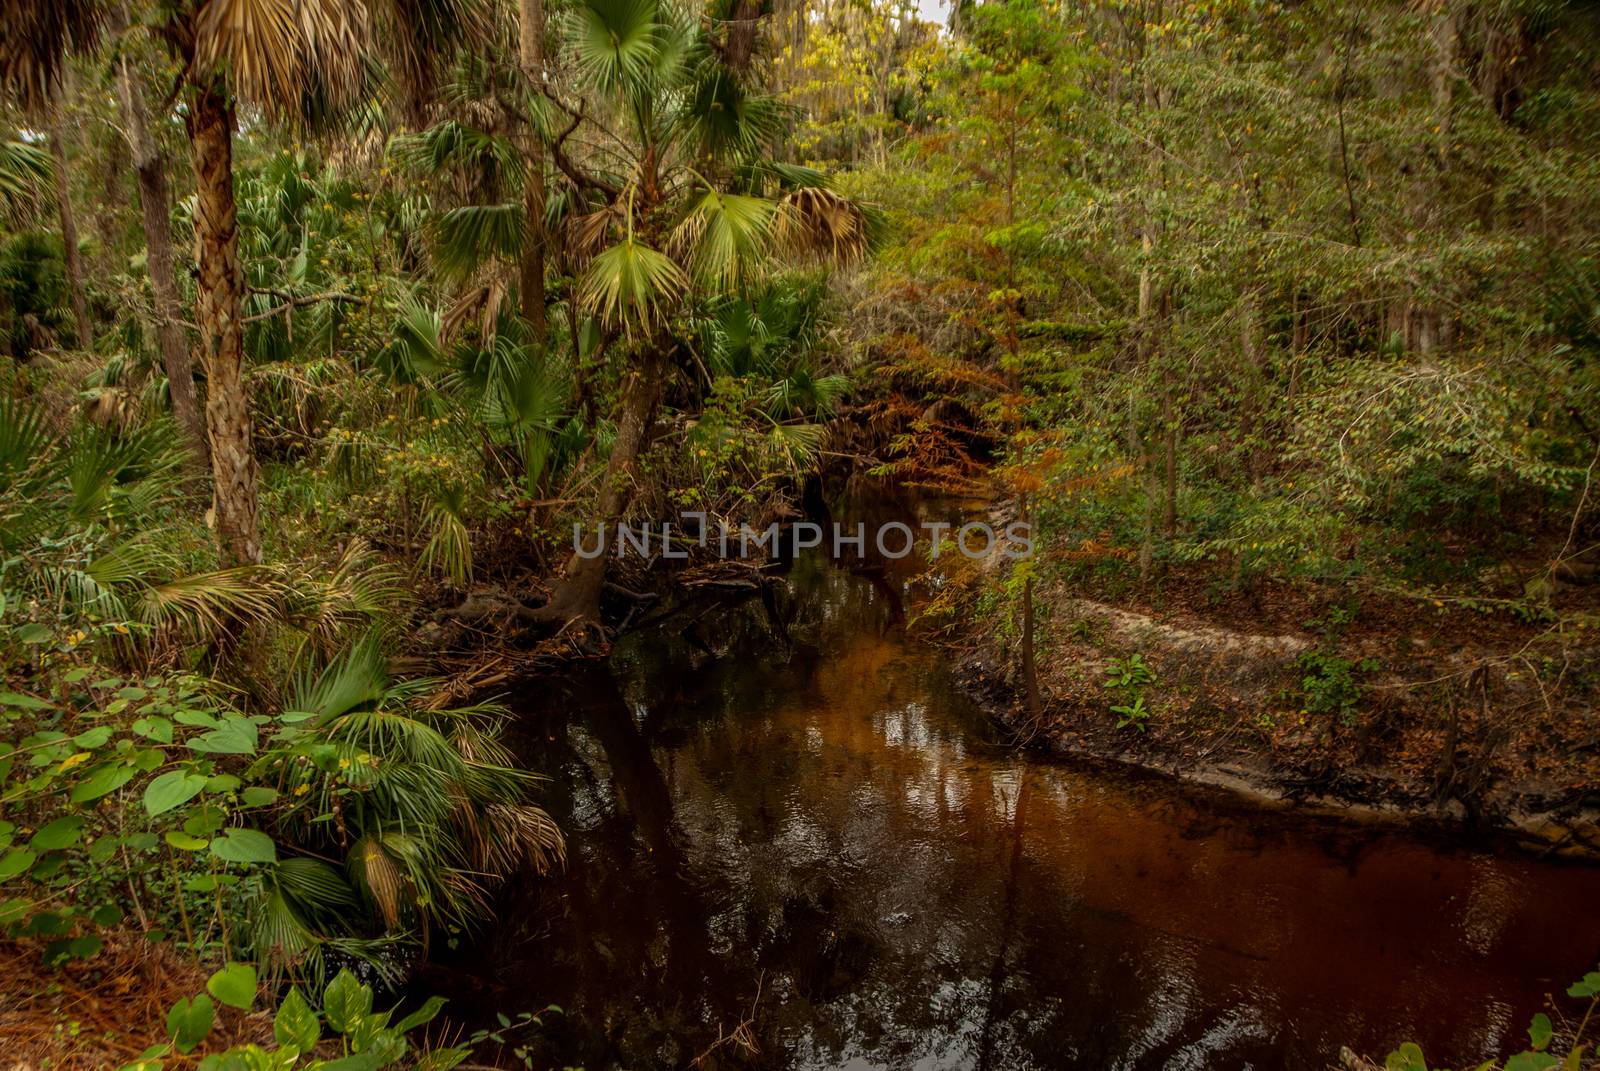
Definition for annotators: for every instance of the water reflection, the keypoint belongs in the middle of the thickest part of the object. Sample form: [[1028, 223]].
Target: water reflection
[[823, 823]]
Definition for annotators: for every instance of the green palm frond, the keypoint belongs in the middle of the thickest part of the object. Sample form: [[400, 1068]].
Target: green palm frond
[[23, 446], [449, 546], [306, 908], [453, 145], [357, 678], [616, 42], [205, 605], [24, 171], [465, 237], [720, 118], [416, 352], [329, 604], [796, 445], [632, 286], [726, 237]]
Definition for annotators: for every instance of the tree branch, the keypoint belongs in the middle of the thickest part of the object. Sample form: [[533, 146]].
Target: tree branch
[[290, 301]]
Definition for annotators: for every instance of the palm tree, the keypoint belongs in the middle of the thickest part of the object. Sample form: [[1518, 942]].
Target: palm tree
[[428, 812], [687, 210], [292, 60]]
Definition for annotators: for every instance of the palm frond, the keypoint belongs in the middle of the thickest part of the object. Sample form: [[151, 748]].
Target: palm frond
[[725, 237], [279, 53], [24, 170], [632, 286], [205, 605], [814, 222], [465, 237], [615, 41]]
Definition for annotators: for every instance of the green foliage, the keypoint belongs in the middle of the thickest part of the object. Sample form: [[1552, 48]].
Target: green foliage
[[1129, 677], [365, 1039], [1331, 684]]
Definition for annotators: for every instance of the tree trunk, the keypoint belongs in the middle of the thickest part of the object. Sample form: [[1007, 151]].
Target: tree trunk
[[155, 202], [219, 312], [531, 55], [69, 225], [576, 599], [740, 45]]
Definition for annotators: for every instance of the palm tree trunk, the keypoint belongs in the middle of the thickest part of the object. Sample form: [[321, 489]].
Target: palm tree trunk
[[155, 201], [69, 225], [531, 55], [219, 312]]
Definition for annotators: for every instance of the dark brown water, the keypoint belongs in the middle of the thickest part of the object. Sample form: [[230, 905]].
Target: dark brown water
[[820, 841]]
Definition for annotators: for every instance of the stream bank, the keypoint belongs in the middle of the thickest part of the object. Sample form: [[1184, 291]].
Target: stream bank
[[1426, 719]]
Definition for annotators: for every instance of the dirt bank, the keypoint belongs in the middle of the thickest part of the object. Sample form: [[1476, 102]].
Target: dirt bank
[[1393, 711]]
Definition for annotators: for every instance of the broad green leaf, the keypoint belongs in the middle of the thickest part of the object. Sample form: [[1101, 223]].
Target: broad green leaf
[[102, 781], [424, 1014], [258, 796], [1531, 1061], [1587, 986], [93, 738], [1540, 1031], [15, 862], [155, 728], [1407, 1057], [244, 846], [234, 985], [186, 843], [236, 736], [345, 1002], [296, 1023], [81, 947], [172, 789], [62, 833], [190, 1021], [24, 702]]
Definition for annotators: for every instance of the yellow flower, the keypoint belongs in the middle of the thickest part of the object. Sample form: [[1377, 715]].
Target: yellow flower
[[301, 790]]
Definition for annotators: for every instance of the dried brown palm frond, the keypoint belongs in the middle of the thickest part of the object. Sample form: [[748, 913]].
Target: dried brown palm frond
[[36, 35], [275, 52], [483, 301], [522, 835], [380, 875], [591, 232], [814, 222]]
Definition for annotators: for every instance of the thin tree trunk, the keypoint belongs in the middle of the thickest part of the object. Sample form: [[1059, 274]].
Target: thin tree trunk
[[69, 225], [531, 55], [155, 202], [577, 599], [219, 312]]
